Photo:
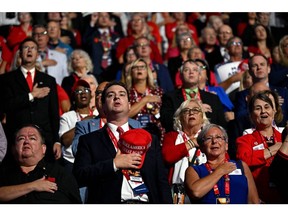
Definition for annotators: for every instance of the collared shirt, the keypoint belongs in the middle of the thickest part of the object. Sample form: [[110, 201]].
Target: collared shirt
[[126, 190], [32, 71]]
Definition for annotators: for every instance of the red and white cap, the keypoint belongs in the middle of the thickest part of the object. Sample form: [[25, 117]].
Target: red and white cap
[[135, 141]]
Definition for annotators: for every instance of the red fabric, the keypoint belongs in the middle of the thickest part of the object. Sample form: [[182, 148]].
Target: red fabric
[[153, 29], [172, 153], [240, 28], [258, 165], [62, 96], [29, 80], [16, 36], [125, 42], [6, 53], [170, 31]]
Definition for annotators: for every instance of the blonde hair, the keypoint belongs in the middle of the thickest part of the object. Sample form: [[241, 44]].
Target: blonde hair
[[177, 124], [149, 81]]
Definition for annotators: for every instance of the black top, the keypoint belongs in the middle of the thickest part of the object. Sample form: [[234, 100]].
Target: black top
[[67, 193]]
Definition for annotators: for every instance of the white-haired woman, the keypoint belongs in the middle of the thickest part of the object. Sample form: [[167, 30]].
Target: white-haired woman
[[180, 148], [79, 64]]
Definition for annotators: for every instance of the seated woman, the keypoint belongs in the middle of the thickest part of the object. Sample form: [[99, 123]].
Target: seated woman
[[180, 147], [219, 180], [258, 148], [145, 97]]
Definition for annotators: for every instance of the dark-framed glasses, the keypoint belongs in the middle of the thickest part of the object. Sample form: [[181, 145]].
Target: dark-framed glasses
[[188, 111], [80, 91]]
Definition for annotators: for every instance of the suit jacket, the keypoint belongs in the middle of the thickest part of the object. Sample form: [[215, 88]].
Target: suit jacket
[[241, 105], [90, 125], [19, 110], [172, 100], [93, 167]]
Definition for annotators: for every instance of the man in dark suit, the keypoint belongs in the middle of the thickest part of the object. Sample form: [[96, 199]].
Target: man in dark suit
[[190, 74], [99, 164], [259, 69], [37, 104], [101, 42]]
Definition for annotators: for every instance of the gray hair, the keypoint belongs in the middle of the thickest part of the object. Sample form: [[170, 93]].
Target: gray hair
[[206, 128], [177, 125], [85, 55], [179, 37]]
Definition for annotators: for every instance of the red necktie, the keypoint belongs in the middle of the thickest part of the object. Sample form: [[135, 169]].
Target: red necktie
[[120, 131], [29, 80]]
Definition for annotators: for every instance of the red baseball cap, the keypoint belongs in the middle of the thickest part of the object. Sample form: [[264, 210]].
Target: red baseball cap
[[80, 83], [135, 141]]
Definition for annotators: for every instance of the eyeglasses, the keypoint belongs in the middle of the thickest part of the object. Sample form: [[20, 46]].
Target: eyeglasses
[[203, 67], [210, 139], [143, 45], [188, 111], [138, 67], [80, 91], [98, 92], [234, 43], [40, 33], [186, 39], [32, 48]]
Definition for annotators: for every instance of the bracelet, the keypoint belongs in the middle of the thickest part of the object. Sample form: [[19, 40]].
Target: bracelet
[[270, 151], [191, 143]]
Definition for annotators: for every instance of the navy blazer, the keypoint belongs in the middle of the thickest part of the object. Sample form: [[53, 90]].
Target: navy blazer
[[93, 167], [172, 100], [90, 125]]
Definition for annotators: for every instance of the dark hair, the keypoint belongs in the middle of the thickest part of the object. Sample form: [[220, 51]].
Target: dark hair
[[188, 60], [103, 96], [264, 96], [38, 26], [28, 39], [41, 132], [205, 63], [133, 47], [279, 114]]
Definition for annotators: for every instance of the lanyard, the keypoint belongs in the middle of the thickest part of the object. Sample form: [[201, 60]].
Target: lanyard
[[80, 118], [113, 138], [226, 182], [264, 141]]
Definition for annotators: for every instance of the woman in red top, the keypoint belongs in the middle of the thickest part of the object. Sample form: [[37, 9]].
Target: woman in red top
[[180, 147], [258, 149], [19, 33]]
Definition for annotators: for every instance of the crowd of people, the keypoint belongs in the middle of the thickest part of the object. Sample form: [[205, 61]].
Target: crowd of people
[[144, 108]]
